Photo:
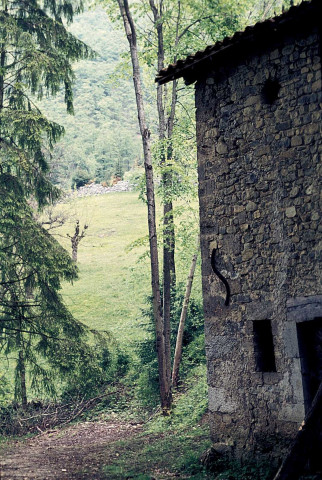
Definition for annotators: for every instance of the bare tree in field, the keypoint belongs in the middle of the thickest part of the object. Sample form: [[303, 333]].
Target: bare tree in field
[[76, 238], [164, 379]]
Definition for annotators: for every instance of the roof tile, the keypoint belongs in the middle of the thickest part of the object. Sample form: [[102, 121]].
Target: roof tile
[[183, 67]]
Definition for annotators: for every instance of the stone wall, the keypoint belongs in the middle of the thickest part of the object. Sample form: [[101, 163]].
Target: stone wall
[[260, 180]]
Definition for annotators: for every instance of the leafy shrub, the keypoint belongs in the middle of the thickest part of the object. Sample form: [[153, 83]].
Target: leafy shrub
[[191, 464], [248, 471], [147, 381], [80, 178], [193, 404], [189, 406], [86, 372], [4, 390]]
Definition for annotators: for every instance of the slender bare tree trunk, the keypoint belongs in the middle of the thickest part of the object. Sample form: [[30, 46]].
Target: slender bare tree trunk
[[168, 228], [2, 64], [165, 134], [306, 441], [168, 278], [22, 373], [178, 350], [165, 387]]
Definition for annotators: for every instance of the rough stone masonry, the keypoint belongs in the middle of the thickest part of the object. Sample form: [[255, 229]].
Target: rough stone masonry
[[260, 186], [258, 110]]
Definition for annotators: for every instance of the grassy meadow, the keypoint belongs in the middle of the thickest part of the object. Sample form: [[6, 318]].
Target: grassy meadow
[[114, 267], [113, 282]]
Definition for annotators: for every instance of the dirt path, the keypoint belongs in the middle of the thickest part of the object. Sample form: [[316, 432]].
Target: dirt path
[[77, 452]]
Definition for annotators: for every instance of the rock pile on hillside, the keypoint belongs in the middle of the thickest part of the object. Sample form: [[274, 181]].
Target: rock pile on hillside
[[98, 189]]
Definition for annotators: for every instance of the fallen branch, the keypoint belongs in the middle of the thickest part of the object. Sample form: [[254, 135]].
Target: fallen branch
[[49, 417], [298, 455], [85, 406]]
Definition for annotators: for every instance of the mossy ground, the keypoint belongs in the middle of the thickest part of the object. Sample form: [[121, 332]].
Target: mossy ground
[[160, 456]]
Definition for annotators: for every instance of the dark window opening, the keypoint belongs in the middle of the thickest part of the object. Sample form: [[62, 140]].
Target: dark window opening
[[264, 346], [309, 336], [270, 90]]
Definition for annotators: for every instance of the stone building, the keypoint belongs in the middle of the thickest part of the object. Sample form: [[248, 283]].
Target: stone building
[[258, 111]]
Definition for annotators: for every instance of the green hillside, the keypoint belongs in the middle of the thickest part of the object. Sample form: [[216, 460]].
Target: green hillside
[[113, 284], [102, 138], [114, 276]]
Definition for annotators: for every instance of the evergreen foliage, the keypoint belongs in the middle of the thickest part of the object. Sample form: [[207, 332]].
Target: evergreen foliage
[[36, 328], [36, 52], [80, 178]]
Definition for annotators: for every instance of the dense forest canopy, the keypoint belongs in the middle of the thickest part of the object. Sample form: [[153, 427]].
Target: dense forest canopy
[[101, 139]]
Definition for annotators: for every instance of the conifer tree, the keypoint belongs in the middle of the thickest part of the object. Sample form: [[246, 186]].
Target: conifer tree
[[36, 53]]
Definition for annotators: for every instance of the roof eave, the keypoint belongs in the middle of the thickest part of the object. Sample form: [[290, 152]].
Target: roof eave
[[193, 68]]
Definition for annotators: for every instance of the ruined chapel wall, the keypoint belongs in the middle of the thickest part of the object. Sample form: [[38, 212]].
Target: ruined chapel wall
[[259, 192]]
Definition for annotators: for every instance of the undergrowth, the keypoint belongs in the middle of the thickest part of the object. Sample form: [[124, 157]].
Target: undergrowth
[[159, 455], [145, 378], [190, 405]]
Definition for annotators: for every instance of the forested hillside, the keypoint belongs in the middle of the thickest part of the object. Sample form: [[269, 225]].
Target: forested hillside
[[101, 139]]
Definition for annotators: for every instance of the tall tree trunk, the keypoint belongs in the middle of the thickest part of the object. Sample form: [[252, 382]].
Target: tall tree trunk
[[165, 387], [169, 277], [178, 350], [2, 64], [22, 374], [308, 439], [167, 180]]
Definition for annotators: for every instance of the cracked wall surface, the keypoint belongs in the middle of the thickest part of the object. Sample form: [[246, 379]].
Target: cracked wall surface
[[260, 205]]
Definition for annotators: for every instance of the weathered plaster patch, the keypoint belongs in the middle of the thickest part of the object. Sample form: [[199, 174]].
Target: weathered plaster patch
[[220, 401]]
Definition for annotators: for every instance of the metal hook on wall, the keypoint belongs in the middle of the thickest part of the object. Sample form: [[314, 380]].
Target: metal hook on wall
[[220, 276]]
